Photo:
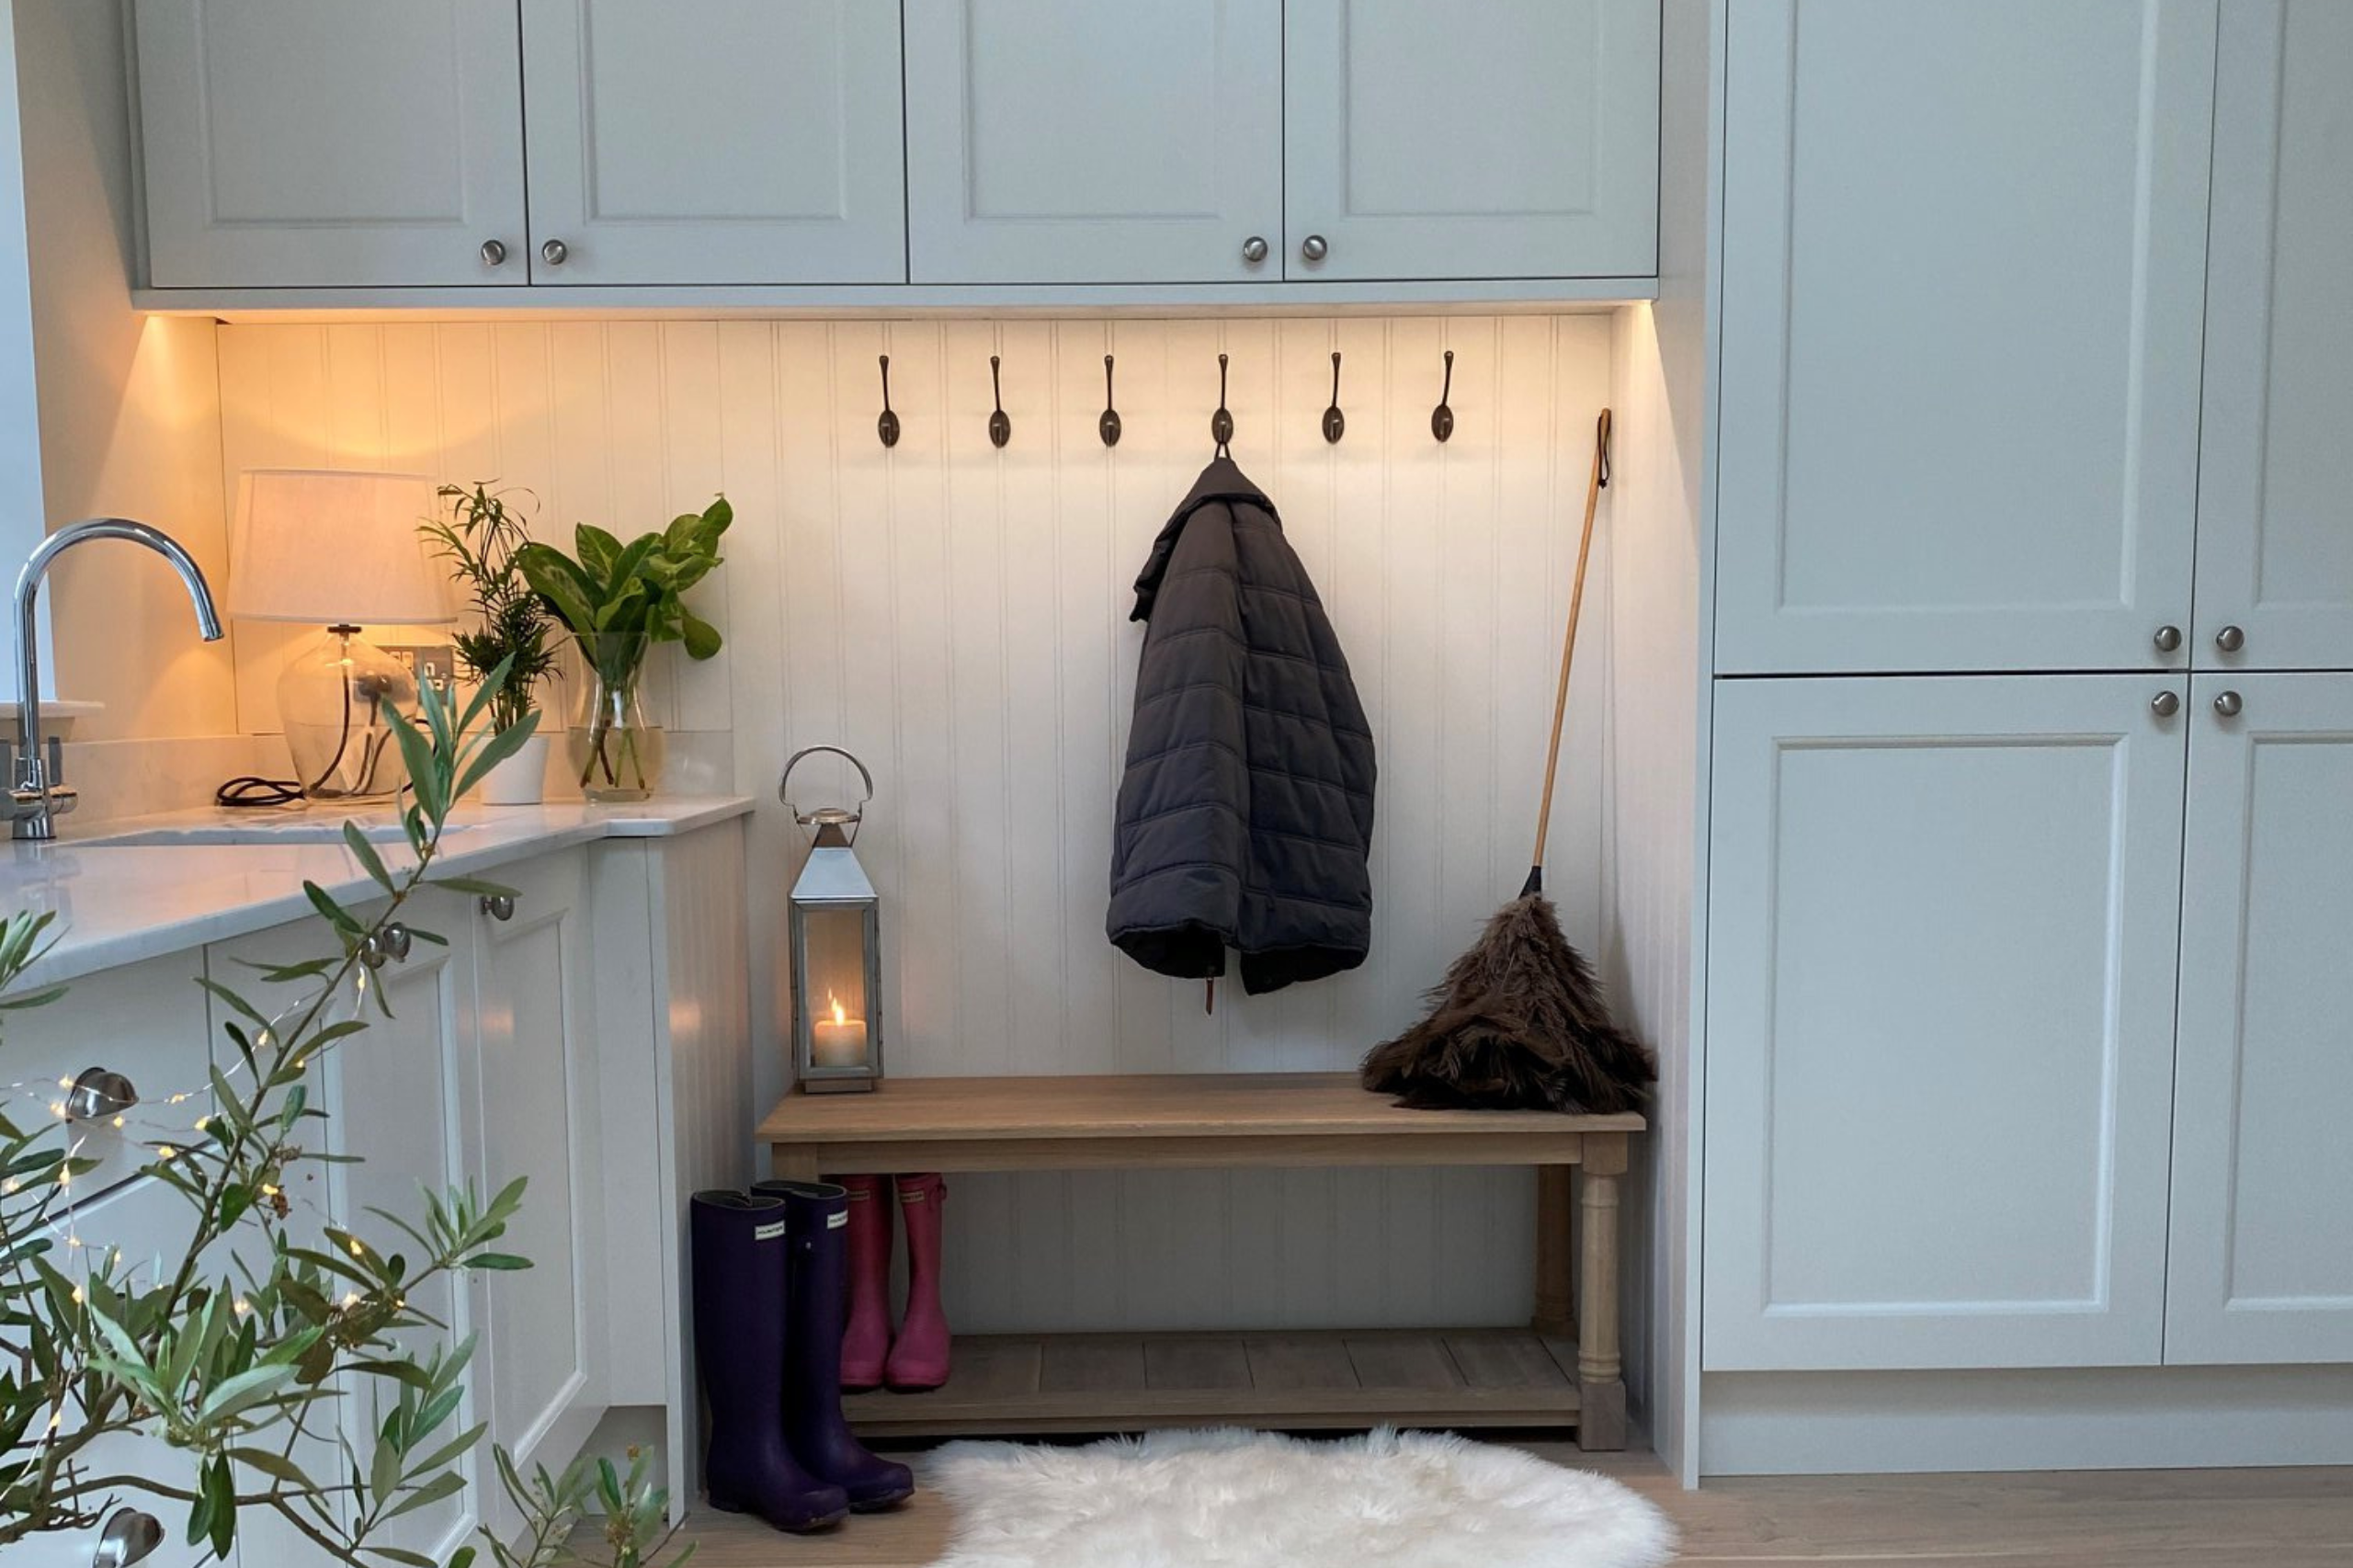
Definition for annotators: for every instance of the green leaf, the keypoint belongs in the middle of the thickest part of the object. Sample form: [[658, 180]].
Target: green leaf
[[495, 1260], [339, 917], [365, 853], [278, 1467], [700, 637], [222, 1490], [425, 1496], [247, 1389]]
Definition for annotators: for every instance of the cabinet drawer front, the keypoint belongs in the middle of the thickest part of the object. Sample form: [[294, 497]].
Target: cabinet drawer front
[[1963, 285], [2275, 507], [1941, 978], [146, 1021], [2262, 1255], [1508, 139], [1072, 142], [294, 144], [784, 167]]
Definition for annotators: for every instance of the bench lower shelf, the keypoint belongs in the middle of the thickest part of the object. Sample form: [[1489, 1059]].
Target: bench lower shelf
[[1031, 1385]]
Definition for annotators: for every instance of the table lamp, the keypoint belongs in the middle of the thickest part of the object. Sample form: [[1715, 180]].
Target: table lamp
[[341, 550]]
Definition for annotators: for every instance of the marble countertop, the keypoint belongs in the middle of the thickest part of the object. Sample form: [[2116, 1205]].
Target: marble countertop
[[118, 902]]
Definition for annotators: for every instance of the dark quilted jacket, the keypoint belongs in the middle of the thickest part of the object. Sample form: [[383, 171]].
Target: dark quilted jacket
[[1245, 813]]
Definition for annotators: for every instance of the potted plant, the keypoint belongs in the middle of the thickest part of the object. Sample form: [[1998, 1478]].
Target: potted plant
[[248, 1333], [480, 540], [618, 600]]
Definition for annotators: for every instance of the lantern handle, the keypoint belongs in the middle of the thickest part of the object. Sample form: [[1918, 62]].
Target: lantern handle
[[791, 762]]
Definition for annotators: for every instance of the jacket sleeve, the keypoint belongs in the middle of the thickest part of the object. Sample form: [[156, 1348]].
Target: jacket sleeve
[[1183, 822]]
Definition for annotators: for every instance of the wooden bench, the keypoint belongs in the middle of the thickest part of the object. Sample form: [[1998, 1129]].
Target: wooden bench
[[1563, 1370]]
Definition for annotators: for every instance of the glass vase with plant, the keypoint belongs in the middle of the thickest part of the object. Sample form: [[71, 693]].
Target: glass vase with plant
[[512, 627], [214, 1380], [618, 600]]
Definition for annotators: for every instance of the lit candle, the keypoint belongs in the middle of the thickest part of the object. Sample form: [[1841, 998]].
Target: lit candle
[[838, 1041]]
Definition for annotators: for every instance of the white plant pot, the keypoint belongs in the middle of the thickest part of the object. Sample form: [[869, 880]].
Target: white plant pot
[[520, 780]]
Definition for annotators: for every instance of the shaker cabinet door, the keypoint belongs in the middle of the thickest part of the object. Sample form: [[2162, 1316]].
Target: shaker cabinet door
[[1505, 139], [728, 142], [1941, 1004], [319, 143], [1074, 141], [539, 1109], [1963, 287], [2262, 1255], [2275, 513]]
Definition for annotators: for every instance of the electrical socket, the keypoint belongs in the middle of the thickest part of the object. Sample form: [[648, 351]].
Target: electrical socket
[[426, 661]]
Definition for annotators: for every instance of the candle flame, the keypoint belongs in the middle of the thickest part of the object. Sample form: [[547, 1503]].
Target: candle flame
[[839, 1017]]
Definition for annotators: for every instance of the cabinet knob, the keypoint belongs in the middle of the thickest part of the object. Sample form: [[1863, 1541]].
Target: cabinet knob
[[2164, 705], [2230, 640], [494, 253], [1315, 248], [2168, 639], [98, 1093], [2228, 704], [1254, 249], [499, 905], [554, 253], [127, 1537]]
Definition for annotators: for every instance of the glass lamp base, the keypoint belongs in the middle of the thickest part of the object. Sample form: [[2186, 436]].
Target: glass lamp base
[[331, 700]]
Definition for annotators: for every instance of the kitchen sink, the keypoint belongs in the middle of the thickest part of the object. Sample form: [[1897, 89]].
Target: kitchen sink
[[303, 829]]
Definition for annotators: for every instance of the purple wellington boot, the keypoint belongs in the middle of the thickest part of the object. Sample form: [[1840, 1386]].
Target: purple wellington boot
[[739, 1277], [817, 1224]]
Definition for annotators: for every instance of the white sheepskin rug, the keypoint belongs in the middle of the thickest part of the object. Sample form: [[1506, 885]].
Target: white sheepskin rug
[[1237, 1499]]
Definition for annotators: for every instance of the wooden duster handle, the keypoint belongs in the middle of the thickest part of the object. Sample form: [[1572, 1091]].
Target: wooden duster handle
[[1600, 477]]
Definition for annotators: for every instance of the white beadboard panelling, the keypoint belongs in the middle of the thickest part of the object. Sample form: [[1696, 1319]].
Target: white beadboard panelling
[[957, 615]]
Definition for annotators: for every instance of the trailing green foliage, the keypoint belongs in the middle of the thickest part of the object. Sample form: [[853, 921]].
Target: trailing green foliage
[[243, 1350], [512, 621]]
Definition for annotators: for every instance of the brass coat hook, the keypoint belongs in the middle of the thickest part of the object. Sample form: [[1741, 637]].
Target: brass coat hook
[[1442, 417], [1335, 423], [886, 424], [1108, 425], [1221, 422], [1000, 427]]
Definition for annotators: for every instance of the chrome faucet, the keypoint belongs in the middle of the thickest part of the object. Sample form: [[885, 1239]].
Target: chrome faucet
[[37, 794]]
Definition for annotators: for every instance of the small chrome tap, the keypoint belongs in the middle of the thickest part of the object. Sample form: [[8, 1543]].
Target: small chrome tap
[[38, 794]]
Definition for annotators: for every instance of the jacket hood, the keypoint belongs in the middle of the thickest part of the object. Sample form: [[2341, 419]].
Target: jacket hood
[[1222, 480]]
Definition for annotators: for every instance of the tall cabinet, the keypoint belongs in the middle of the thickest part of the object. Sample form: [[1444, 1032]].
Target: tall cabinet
[[2027, 1015]]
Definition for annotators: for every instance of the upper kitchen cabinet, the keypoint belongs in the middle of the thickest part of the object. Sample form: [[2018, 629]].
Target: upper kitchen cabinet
[[332, 143], [758, 141], [1963, 300], [1512, 139], [1072, 142], [2274, 512]]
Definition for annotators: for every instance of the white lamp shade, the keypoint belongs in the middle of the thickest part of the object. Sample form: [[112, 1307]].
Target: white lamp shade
[[329, 548]]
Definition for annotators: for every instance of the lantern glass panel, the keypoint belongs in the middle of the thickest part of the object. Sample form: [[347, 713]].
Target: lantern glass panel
[[833, 985]]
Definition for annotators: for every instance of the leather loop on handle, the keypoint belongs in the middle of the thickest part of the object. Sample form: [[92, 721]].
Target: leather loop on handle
[[1600, 477]]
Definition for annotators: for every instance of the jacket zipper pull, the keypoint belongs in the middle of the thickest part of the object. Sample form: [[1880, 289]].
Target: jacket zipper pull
[[1209, 997]]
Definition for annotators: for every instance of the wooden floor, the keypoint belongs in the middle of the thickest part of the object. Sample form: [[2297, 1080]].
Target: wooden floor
[[2238, 1519], [1298, 1381]]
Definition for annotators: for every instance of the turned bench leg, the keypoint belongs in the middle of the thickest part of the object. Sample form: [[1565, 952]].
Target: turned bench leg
[[1601, 1387], [1556, 1308]]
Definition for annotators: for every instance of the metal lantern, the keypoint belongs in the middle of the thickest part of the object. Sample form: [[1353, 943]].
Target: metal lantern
[[836, 948]]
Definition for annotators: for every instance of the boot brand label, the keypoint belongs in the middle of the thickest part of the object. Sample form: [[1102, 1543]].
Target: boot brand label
[[835, 1222], [768, 1233]]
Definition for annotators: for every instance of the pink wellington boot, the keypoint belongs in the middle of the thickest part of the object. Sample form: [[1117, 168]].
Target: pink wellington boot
[[866, 1337], [919, 1356]]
